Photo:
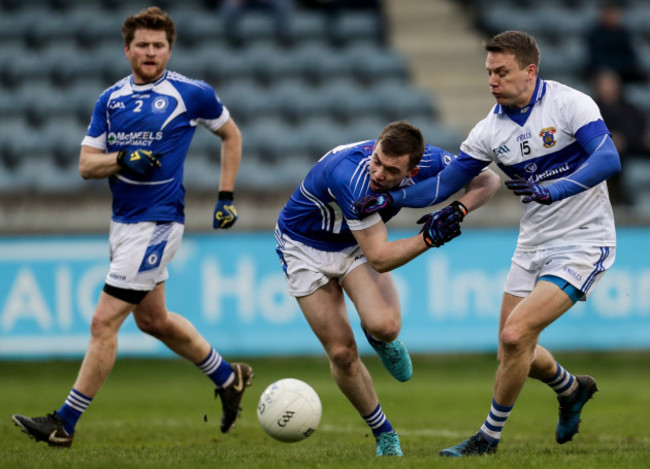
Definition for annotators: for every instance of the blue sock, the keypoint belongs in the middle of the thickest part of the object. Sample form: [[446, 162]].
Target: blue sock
[[561, 382], [378, 422], [72, 408], [217, 369], [495, 421]]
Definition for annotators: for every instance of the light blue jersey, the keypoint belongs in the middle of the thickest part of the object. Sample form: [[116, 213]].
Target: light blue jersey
[[320, 212], [161, 117]]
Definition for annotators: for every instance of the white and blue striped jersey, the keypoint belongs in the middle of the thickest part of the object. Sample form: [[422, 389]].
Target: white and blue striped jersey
[[320, 213], [161, 117], [546, 143]]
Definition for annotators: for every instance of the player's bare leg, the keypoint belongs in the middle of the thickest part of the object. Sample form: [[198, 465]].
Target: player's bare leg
[[180, 336], [327, 315], [522, 320], [175, 331], [102, 348], [518, 338], [95, 368], [376, 299]]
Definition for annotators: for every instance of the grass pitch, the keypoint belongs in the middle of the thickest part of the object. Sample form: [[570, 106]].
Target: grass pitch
[[152, 414]]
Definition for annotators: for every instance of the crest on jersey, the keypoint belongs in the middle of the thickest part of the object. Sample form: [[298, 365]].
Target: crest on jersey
[[159, 104], [547, 137]]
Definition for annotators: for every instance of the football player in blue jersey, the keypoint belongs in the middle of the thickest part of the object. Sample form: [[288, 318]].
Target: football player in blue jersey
[[552, 141], [138, 138], [326, 251]]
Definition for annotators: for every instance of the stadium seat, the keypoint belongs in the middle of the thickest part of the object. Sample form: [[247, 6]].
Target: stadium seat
[[257, 26], [195, 28], [567, 56], [371, 62], [270, 139], [41, 102], [323, 62], [396, 102], [80, 97], [439, 135], [246, 101], [202, 172], [205, 143], [351, 101], [364, 128], [21, 145], [304, 102], [353, 27], [63, 137], [305, 26], [319, 134], [227, 65]]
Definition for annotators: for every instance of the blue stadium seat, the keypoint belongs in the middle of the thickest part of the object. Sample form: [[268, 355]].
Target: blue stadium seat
[[246, 101], [205, 144], [202, 172], [319, 134], [567, 56], [268, 139], [226, 65], [63, 137], [353, 27], [257, 26], [81, 95], [351, 101], [306, 26], [364, 128], [304, 101], [439, 135], [41, 101], [398, 102], [371, 62], [323, 62]]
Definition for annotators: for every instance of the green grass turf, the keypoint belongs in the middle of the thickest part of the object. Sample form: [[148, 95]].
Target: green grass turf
[[150, 414]]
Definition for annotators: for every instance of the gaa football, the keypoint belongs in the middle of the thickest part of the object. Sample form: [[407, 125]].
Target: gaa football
[[289, 410]]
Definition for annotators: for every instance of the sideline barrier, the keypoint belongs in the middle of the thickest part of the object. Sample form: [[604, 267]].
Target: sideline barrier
[[231, 286]]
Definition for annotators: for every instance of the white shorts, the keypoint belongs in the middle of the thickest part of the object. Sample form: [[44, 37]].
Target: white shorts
[[140, 253], [307, 269], [581, 266]]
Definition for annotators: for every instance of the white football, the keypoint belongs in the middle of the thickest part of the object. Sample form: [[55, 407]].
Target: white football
[[289, 410]]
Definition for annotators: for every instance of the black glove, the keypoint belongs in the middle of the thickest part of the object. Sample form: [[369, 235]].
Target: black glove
[[140, 161], [531, 190], [225, 213], [444, 225], [370, 203]]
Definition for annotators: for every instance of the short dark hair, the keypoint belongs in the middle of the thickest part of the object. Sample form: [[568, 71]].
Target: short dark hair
[[401, 138], [519, 43], [149, 18]]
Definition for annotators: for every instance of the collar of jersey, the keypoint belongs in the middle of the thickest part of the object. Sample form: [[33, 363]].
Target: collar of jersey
[[148, 86], [540, 91]]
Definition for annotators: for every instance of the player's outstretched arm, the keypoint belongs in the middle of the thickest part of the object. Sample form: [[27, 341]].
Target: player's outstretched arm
[[423, 194], [603, 162], [225, 213]]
